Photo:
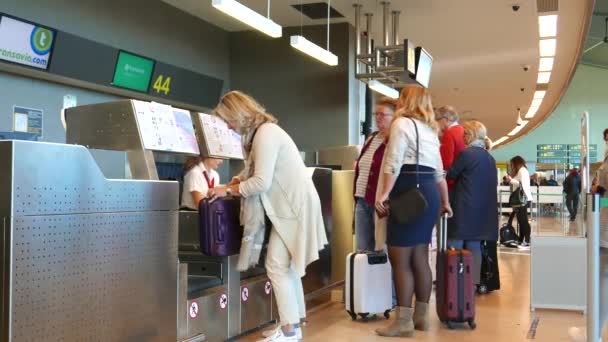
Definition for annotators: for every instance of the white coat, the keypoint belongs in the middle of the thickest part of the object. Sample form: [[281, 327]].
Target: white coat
[[288, 194]]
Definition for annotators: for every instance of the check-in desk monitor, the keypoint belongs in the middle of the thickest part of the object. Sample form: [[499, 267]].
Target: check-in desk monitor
[[217, 140], [164, 128]]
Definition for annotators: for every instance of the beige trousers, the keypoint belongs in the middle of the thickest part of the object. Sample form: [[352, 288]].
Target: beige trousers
[[286, 284]]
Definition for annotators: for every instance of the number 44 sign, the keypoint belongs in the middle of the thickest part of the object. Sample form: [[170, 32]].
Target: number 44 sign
[[162, 84]]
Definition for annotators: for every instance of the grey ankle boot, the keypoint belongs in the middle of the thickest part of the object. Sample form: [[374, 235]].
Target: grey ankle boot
[[402, 326], [421, 321]]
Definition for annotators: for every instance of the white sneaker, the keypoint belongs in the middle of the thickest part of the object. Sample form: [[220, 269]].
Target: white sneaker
[[577, 334], [524, 246], [276, 335]]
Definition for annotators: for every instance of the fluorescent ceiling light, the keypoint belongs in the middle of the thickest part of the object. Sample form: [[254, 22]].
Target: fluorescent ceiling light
[[518, 128], [548, 47], [249, 17], [540, 94], [536, 102], [383, 89], [547, 25], [314, 50], [545, 64], [501, 140], [531, 112], [543, 77]]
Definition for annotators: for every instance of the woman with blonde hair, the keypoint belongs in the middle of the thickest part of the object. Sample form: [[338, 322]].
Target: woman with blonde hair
[[411, 161], [275, 181], [474, 196]]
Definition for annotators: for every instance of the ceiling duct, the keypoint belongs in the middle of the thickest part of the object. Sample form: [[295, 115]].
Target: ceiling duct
[[546, 6], [317, 10]]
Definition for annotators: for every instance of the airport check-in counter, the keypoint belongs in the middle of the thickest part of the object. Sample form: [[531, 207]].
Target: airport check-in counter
[[214, 301], [83, 258]]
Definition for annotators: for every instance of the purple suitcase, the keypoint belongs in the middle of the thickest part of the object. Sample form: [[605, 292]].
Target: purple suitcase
[[220, 229]]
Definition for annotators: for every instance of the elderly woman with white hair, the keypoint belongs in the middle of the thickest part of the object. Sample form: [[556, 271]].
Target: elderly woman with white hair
[[473, 197]]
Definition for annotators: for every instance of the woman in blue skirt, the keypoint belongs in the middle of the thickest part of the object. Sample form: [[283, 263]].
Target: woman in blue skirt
[[412, 160]]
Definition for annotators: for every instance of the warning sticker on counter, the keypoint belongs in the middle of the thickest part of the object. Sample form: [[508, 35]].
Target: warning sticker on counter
[[193, 310], [244, 294], [268, 287], [223, 301]]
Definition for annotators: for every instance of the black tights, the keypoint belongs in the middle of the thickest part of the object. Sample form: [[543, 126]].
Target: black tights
[[412, 273]]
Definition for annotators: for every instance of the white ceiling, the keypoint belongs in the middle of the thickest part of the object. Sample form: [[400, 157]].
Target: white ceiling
[[478, 46]]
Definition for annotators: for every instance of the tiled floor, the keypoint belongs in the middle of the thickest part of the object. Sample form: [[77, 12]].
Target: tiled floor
[[503, 315]]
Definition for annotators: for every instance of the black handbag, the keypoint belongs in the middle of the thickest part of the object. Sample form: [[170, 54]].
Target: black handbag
[[407, 206], [518, 197]]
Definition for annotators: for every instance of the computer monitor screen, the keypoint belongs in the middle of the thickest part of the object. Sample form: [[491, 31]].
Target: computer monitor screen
[[25, 43], [424, 64]]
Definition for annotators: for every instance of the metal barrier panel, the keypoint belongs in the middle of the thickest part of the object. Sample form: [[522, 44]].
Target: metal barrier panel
[[595, 220], [86, 258]]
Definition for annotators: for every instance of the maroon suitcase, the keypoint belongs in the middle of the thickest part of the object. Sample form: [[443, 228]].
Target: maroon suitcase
[[455, 292], [220, 229]]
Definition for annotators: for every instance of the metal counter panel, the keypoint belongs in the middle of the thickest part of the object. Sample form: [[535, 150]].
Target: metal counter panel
[[81, 277], [87, 259], [53, 179]]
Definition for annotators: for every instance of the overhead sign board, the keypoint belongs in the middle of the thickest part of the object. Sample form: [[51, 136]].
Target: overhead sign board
[[25, 43], [133, 72]]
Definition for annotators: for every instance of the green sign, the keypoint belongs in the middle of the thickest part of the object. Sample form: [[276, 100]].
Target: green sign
[[133, 72]]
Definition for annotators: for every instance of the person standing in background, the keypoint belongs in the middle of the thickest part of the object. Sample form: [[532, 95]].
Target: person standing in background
[[552, 181], [452, 137], [520, 177], [474, 197], [572, 189], [367, 171], [411, 161]]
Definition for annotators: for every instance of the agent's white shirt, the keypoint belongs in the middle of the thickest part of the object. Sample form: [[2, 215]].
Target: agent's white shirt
[[194, 180]]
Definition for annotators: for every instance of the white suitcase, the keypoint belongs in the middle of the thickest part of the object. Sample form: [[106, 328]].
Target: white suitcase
[[368, 285]]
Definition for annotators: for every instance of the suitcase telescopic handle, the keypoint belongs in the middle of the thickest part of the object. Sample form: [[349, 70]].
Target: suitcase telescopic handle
[[220, 225], [443, 233]]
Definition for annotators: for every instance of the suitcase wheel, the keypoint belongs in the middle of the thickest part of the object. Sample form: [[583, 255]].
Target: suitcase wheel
[[387, 314], [364, 316], [482, 289], [352, 315], [472, 324], [450, 325]]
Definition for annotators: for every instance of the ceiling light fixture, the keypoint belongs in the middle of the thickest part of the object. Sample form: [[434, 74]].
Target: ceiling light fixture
[[543, 77], [546, 64], [531, 112], [314, 50], [500, 141], [518, 128], [383, 89], [536, 102], [548, 47], [547, 25], [540, 94], [249, 17]]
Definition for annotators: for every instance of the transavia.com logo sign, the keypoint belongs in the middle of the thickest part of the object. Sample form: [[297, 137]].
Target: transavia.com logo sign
[[41, 40], [136, 70]]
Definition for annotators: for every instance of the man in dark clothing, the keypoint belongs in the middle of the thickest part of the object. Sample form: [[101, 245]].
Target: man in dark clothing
[[572, 188], [551, 181]]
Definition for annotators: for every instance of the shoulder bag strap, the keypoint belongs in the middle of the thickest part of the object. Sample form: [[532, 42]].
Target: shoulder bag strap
[[417, 154]]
